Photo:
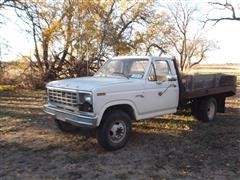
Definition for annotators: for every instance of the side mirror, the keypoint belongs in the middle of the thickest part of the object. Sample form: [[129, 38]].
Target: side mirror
[[171, 78], [164, 78], [161, 79]]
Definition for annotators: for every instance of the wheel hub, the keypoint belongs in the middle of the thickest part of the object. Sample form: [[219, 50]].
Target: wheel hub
[[117, 131], [211, 110]]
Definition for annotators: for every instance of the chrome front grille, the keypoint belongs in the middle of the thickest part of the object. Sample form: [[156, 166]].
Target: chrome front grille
[[63, 98]]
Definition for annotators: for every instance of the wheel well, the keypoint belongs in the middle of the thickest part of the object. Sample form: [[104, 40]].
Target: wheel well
[[123, 107], [220, 103]]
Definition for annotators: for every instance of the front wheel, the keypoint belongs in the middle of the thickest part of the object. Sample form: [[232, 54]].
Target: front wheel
[[114, 131]]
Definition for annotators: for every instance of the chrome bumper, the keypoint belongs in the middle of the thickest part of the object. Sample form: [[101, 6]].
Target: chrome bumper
[[70, 117]]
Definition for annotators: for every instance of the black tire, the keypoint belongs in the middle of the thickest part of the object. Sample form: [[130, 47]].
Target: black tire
[[208, 109], [66, 127], [195, 109], [119, 122]]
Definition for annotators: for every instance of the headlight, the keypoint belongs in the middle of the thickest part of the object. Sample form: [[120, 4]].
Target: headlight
[[85, 102], [88, 98]]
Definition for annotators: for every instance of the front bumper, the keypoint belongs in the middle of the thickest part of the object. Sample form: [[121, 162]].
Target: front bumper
[[71, 117]]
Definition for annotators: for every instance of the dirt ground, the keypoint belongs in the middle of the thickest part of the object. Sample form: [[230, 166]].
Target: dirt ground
[[168, 147]]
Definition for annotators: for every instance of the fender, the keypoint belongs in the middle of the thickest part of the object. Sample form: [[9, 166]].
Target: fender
[[115, 103]]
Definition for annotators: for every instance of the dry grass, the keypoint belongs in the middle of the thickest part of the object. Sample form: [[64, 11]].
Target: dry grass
[[7, 88]]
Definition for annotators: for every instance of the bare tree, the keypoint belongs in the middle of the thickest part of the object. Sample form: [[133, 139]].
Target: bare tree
[[16, 4], [226, 7], [191, 47]]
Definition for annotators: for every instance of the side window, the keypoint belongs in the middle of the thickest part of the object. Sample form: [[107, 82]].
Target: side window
[[151, 76], [138, 68], [161, 70]]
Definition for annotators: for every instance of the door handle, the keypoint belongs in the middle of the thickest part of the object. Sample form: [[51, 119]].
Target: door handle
[[160, 93], [140, 95]]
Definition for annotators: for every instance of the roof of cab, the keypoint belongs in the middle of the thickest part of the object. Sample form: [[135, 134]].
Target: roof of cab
[[142, 57]]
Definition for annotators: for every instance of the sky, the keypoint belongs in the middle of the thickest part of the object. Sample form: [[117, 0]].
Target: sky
[[227, 37], [225, 34], [13, 33]]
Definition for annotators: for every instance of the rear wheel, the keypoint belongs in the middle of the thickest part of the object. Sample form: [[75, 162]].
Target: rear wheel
[[66, 127], [208, 109], [114, 131]]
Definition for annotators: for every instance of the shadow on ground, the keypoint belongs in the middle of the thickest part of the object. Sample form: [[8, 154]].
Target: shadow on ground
[[168, 147]]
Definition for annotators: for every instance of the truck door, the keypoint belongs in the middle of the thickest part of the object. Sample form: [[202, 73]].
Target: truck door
[[161, 89]]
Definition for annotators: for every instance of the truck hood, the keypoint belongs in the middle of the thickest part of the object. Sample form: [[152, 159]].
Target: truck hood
[[86, 83]]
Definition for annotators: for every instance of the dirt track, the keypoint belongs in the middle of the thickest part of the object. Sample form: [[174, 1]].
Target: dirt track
[[163, 148]]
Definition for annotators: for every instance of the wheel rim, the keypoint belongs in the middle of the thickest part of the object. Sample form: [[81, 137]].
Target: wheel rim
[[117, 131], [211, 110]]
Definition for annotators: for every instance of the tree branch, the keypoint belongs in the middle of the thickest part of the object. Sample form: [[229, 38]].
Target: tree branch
[[225, 6]]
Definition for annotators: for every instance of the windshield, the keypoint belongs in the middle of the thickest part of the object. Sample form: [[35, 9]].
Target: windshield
[[128, 68]]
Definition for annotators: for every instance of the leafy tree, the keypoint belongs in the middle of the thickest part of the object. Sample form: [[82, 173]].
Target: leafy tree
[[44, 21], [155, 38], [72, 38]]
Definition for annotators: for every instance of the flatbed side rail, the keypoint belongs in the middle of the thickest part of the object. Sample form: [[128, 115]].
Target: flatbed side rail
[[209, 84]]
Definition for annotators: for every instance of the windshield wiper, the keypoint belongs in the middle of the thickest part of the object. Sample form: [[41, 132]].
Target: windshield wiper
[[121, 74]]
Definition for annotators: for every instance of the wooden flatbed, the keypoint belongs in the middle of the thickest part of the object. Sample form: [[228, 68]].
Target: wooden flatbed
[[200, 85], [205, 94]]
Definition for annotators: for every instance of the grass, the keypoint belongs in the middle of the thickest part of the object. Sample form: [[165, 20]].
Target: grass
[[9, 129], [170, 122], [7, 88]]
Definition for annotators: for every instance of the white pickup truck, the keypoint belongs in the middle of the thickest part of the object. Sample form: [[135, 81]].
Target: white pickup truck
[[133, 88]]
